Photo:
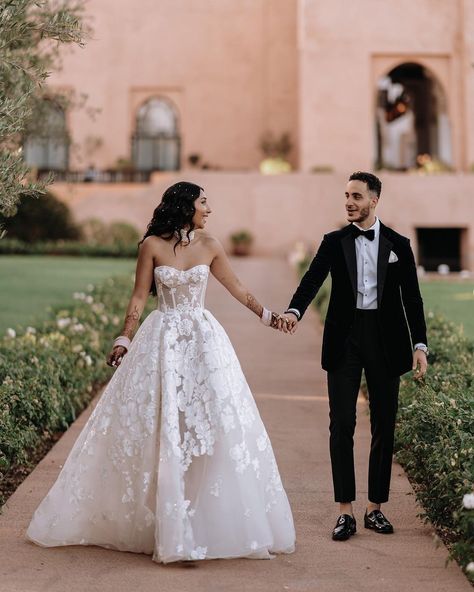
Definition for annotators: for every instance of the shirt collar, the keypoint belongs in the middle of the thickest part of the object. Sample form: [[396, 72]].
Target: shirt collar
[[375, 226]]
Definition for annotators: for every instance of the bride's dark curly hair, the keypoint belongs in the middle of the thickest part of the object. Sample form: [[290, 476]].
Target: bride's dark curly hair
[[174, 212]]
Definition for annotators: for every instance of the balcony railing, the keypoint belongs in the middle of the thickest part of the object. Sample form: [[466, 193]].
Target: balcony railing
[[98, 176]]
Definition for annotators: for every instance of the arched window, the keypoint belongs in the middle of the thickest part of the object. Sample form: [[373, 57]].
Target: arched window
[[47, 146], [412, 124], [156, 141]]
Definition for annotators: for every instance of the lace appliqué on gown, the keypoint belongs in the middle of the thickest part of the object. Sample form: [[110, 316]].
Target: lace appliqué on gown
[[174, 461]]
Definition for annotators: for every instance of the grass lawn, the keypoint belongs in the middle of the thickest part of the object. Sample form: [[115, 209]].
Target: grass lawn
[[29, 284], [454, 299]]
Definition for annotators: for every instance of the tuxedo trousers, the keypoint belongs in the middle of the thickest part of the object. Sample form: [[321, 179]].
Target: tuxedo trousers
[[364, 350]]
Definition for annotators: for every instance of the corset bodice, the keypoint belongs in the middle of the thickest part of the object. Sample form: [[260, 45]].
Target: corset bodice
[[180, 290]]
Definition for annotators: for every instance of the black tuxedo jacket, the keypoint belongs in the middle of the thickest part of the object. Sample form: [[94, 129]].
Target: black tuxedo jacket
[[399, 303]]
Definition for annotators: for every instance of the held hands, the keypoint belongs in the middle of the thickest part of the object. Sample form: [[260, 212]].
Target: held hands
[[420, 364], [288, 323], [276, 321]]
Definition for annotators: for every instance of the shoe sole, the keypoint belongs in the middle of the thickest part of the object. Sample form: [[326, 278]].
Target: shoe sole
[[345, 538], [378, 531]]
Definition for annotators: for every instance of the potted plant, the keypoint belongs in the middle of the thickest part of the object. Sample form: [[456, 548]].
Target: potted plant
[[241, 242], [276, 152]]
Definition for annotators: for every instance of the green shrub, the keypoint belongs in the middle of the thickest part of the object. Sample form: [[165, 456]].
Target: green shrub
[[435, 436], [119, 233], [49, 374], [17, 247], [41, 218], [123, 233]]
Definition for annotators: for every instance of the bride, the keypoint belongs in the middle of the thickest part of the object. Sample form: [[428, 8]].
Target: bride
[[174, 461]]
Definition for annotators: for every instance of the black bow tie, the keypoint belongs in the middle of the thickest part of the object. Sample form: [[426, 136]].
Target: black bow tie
[[368, 234]]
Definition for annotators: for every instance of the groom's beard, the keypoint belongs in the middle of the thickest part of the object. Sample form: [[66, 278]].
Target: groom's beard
[[363, 215]]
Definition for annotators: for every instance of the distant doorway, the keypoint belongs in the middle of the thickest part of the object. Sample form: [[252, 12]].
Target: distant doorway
[[437, 246], [412, 123]]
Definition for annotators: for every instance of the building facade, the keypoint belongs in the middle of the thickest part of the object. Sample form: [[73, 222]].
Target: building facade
[[186, 88], [182, 82]]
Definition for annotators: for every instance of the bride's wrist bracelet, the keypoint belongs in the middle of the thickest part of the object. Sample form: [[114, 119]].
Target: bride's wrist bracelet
[[266, 317], [123, 341]]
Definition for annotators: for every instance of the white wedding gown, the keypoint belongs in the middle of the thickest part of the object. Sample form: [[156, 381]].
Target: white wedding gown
[[174, 461]]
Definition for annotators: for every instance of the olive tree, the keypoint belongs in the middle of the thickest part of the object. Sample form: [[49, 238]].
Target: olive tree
[[32, 34]]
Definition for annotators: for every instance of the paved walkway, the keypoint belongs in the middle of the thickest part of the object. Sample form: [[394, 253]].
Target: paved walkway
[[284, 373]]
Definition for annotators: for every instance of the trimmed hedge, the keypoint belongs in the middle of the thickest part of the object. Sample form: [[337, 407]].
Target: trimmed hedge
[[50, 373], [434, 439], [11, 246]]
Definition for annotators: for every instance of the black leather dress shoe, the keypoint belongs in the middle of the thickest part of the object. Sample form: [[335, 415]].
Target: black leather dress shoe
[[378, 522], [345, 527]]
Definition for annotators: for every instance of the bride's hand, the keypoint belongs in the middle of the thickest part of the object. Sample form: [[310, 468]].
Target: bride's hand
[[116, 355], [275, 322]]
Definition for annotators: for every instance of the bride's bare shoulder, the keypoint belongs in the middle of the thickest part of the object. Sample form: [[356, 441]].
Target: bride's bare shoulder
[[153, 246], [153, 242], [210, 242]]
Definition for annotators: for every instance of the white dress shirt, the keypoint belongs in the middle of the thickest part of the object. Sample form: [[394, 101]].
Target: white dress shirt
[[366, 257]]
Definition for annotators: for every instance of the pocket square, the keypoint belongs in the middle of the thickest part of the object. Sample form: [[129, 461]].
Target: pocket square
[[392, 257]]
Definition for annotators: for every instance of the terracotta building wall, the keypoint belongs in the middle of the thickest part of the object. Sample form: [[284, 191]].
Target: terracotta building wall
[[346, 46], [229, 67], [282, 209]]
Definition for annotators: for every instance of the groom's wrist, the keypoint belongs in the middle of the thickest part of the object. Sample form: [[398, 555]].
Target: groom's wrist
[[294, 311]]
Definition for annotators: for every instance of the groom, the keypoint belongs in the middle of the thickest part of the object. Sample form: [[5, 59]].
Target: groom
[[375, 314]]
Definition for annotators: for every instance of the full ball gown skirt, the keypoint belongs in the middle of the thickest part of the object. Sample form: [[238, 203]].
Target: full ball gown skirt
[[174, 460]]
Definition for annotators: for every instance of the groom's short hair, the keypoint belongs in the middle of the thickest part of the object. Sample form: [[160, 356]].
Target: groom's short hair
[[374, 184]]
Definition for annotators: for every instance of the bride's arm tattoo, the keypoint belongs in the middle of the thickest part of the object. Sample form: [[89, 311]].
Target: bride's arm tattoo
[[131, 321], [254, 305]]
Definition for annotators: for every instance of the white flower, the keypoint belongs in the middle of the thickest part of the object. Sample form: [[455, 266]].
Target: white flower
[[78, 295], [78, 327], [30, 330], [470, 567], [89, 299], [63, 322], [11, 332], [468, 501], [88, 360]]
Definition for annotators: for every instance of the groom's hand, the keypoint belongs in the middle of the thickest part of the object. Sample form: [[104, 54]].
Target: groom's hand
[[420, 364], [288, 323]]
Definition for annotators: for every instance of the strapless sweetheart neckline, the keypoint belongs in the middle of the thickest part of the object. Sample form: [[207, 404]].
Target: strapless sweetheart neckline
[[183, 270]]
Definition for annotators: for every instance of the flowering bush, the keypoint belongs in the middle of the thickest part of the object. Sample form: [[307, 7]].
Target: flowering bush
[[50, 373], [435, 437]]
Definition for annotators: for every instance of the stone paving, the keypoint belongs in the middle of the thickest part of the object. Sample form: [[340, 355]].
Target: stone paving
[[290, 389]]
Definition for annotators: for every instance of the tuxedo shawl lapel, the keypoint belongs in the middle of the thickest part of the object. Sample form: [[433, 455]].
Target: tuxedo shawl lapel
[[385, 246], [348, 247]]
